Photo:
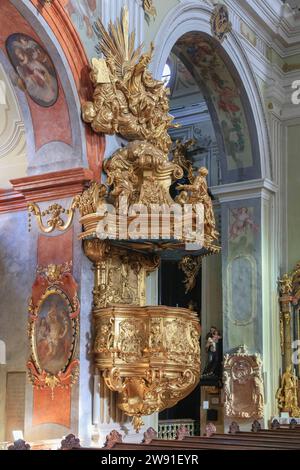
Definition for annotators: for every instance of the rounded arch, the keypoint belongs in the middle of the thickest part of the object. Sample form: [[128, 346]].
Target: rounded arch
[[190, 17]]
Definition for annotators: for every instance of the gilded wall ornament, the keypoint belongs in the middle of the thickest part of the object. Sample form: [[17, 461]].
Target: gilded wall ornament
[[220, 23], [243, 385], [197, 192], [58, 218]]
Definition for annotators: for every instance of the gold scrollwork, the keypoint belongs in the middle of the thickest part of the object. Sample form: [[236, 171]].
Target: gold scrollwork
[[243, 385], [54, 272], [55, 213], [129, 102]]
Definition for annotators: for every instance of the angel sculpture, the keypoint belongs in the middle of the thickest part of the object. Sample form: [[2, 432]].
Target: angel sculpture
[[127, 100]]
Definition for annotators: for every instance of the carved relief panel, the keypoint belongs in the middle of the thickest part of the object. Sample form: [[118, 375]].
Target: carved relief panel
[[120, 279], [243, 385]]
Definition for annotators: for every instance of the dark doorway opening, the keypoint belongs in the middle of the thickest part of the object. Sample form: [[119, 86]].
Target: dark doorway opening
[[172, 293]]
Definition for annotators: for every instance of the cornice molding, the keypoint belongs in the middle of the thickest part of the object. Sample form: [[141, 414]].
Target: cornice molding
[[245, 190], [47, 187], [273, 22]]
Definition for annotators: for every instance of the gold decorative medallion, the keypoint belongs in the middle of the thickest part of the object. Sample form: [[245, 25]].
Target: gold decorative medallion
[[287, 394], [220, 23]]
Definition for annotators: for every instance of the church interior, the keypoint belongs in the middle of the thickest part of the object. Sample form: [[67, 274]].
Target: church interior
[[149, 266]]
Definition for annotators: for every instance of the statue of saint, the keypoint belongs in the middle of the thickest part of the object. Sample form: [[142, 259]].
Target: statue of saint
[[213, 365], [287, 394]]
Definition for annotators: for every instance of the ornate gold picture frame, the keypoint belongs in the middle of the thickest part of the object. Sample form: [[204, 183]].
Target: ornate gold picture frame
[[53, 328]]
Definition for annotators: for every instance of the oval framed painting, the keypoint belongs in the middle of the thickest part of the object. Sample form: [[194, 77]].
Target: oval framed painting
[[34, 68], [54, 333]]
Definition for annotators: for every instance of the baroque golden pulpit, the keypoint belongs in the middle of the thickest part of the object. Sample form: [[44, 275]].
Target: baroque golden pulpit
[[150, 356]]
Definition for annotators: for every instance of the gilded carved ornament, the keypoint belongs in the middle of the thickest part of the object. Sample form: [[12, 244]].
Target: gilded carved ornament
[[243, 385], [120, 278], [58, 218]]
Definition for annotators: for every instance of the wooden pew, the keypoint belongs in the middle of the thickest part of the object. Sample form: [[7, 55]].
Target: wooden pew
[[278, 439]]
